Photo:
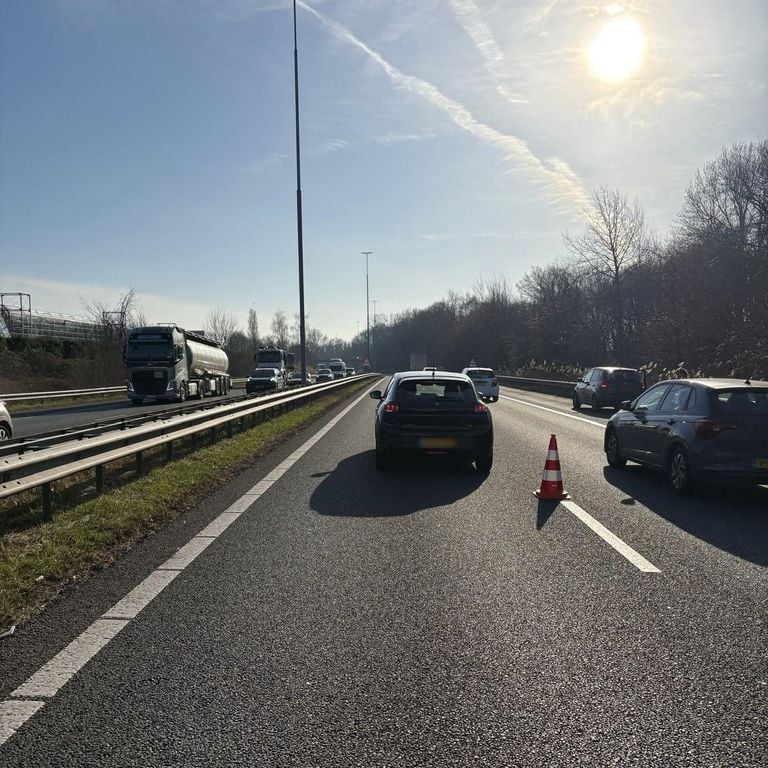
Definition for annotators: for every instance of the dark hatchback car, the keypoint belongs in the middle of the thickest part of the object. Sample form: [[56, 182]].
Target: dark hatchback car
[[607, 386], [695, 430], [433, 413]]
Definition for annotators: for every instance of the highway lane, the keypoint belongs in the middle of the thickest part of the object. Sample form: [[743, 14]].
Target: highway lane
[[425, 616], [52, 419]]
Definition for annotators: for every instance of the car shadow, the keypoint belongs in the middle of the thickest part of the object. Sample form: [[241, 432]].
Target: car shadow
[[603, 413], [729, 517], [354, 488]]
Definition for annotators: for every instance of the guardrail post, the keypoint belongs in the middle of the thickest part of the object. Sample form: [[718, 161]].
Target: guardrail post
[[169, 450], [213, 435], [229, 429], [139, 463], [100, 478], [47, 501]]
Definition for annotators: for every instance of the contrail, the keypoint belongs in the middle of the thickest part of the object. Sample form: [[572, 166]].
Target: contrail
[[468, 16], [560, 183]]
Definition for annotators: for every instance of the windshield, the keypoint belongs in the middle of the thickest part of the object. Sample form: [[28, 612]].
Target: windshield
[[149, 350], [337, 366], [480, 373], [271, 356]]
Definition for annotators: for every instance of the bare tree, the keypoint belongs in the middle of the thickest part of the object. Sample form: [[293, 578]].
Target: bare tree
[[220, 325], [253, 329], [614, 241], [280, 330], [113, 320]]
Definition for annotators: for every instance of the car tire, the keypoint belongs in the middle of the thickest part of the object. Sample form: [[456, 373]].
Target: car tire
[[595, 405], [495, 399], [679, 472], [5, 432], [612, 451], [576, 403], [484, 463]]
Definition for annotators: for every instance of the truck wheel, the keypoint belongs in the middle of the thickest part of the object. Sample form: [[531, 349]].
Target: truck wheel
[[182, 392]]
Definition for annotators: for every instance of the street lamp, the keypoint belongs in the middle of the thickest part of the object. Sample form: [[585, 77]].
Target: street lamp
[[302, 329], [367, 309]]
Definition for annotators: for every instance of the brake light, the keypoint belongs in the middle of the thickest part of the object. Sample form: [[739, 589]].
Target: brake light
[[480, 408], [391, 408], [710, 428], [603, 386]]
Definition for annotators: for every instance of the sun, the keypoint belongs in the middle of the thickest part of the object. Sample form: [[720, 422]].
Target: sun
[[617, 51]]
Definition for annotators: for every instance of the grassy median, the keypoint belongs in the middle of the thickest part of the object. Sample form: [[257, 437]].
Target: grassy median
[[40, 559]]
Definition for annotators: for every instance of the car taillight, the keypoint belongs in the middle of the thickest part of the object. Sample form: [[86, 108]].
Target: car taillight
[[603, 386], [480, 408], [494, 382], [710, 428], [391, 408]]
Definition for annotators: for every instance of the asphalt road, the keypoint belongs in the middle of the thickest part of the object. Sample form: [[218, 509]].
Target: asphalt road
[[425, 616]]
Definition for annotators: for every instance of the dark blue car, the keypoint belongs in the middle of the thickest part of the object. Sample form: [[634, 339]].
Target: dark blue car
[[694, 430]]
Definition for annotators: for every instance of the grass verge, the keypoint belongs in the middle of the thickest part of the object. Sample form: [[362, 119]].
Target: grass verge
[[40, 560], [54, 403]]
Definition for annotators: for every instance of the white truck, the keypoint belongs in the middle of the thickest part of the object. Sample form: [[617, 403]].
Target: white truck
[[165, 362], [338, 367], [274, 357]]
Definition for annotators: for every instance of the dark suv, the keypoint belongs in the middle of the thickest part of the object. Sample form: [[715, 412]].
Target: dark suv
[[607, 386], [695, 429]]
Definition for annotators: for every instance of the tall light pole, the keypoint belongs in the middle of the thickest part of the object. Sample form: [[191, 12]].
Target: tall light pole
[[374, 302], [367, 309], [302, 329]]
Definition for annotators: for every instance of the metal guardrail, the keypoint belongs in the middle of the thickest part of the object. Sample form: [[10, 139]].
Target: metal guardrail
[[26, 470], [546, 386], [20, 396]]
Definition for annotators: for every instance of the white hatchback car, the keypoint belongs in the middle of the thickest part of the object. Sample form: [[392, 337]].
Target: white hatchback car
[[485, 382]]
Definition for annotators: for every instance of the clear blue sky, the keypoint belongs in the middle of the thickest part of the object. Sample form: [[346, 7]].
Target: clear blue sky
[[150, 144]]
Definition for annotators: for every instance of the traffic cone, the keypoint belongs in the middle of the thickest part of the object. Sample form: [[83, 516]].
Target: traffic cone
[[552, 480]]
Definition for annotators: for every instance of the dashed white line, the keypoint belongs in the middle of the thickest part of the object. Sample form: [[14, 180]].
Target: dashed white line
[[140, 597], [611, 538], [13, 714], [554, 410], [187, 553]]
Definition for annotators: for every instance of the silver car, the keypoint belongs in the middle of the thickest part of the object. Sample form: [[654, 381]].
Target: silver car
[[6, 425], [485, 382]]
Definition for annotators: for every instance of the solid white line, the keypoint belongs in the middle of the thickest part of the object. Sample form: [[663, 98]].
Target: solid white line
[[219, 525], [554, 410], [187, 553], [140, 597], [611, 538], [51, 676], [13, 714]]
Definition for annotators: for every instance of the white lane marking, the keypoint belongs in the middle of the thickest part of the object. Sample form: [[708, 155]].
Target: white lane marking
[[554, 410], [611, 538], [220, 524], [140, 597], [51, 676], [187, 553], [13, 714]]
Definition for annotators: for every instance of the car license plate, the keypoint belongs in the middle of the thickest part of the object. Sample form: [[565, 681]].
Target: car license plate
[[437, 442], [761, 463]]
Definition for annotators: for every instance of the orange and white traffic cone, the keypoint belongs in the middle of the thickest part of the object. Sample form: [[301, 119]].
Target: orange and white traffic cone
[[552, 480]]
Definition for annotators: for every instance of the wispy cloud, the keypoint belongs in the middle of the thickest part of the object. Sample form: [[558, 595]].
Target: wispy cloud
[[470, 19], [561, 188]]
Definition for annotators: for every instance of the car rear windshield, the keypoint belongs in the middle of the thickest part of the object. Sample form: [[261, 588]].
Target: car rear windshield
[[625, 377], [428, 393], [743, 402], [481, 373]]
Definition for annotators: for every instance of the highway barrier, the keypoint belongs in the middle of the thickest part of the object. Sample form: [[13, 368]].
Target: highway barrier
[[57, 393]]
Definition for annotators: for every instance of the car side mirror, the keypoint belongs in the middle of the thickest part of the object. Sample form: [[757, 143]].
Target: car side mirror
[[625, 405], [375, 395]]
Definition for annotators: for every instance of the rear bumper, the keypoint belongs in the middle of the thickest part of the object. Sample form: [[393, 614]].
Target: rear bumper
[[448, 443]]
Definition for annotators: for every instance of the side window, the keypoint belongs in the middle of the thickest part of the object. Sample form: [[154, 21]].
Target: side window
[[597, 376], [651, 399], [588, 375], [676, 400]]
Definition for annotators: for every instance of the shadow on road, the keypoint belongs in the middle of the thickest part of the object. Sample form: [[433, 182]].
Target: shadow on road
[[729, 517], [356, 489]]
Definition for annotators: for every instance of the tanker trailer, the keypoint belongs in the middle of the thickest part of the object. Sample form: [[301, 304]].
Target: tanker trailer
[[165, 362]]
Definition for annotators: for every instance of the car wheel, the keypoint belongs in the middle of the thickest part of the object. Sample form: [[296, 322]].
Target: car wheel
[[594, 404], [612, 452], [576, 403], [5, 432], [679, 471], [484, 463]]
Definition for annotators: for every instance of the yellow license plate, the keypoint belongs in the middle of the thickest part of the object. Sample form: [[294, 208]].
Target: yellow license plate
[[437, 443], [761, 463]]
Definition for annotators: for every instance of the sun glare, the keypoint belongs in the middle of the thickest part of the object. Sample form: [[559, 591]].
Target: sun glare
[[617, 51]]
